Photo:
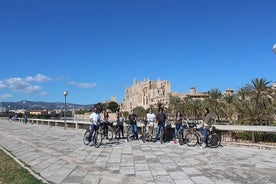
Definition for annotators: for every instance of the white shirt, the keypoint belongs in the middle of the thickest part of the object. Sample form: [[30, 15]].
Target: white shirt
[[94, 117], [150, 117]]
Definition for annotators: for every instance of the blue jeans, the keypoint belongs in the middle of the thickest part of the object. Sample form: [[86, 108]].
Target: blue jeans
[[203, 131], [134, 130], [158, 131], [177, 127]]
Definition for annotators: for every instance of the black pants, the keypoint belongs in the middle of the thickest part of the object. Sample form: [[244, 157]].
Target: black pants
[[121, 126], [93, 128], [105, 128]]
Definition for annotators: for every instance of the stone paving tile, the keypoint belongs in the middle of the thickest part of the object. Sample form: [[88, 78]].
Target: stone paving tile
[[60, 157]]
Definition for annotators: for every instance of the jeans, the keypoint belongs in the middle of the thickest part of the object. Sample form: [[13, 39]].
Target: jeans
[[177, 127], [158, 131], [203, 131], [134, 130]]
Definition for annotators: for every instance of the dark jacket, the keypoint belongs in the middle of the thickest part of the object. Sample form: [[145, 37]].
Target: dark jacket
[[161, 118]]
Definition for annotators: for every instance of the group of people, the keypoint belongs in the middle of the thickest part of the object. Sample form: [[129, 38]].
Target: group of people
[[151, 119], [179, 122]]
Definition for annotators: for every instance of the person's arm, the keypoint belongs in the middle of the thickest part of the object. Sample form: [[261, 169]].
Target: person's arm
[[207, 120]]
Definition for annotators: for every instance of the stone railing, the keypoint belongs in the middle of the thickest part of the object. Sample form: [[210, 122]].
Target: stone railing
[[228, 131]]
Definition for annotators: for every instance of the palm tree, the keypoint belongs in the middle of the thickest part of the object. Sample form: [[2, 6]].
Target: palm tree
[[228, 107], [193, 108], [255, 104], [175, 103], [214, 102]]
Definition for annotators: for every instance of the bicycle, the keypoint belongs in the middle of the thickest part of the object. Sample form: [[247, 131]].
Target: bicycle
[[147, 135], [117, 129], [194, 137], [109, 134], [213, 138], [130, 135], [162, 134], [96, 137]]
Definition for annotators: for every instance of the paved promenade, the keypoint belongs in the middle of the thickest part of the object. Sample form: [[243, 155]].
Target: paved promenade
[[59, 156]]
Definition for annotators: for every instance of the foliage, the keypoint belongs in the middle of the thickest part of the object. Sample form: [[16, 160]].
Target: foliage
[[113, 106], [140, 112]]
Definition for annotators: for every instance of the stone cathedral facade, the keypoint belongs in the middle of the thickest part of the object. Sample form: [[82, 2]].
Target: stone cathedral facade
[[146, 93]]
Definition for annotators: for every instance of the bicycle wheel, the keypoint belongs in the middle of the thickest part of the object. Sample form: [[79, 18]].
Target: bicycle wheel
[[180, 137], [128, 133], [117, 132], [162, 135], [85, 137], [213, 141], [191, 139], [110, 134], [98, 137], [144, 134]]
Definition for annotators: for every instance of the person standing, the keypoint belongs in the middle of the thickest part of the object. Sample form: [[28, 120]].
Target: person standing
[[161, 119], [95, 118], [105, 123], [150, 121], [120, 123], [205, 127], [178, 124], [133, 124]]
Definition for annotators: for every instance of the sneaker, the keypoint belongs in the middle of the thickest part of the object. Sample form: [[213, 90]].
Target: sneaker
[[174, 141], [203, 145]]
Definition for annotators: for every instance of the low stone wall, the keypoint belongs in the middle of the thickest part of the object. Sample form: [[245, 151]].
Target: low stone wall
[[227, 131]]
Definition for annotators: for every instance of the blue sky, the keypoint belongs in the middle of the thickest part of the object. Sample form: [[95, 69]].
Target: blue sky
[[94, 49]]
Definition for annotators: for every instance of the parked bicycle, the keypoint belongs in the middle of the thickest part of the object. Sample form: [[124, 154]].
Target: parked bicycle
[[117, 130], [147, 132], [194, 137], [96, 138], [110, 130], [129, 133]]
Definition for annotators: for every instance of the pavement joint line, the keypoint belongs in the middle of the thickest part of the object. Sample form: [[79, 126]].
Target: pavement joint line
[[22, 164]]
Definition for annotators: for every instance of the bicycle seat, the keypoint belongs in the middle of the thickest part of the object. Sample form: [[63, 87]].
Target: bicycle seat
[[192, 125]]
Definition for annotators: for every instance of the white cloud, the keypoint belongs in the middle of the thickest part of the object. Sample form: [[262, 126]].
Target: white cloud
[[82, 85], [24, 84], [44, 93], [5, 96], [38, 78]]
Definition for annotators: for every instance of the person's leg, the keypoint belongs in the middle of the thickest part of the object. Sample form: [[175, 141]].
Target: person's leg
[[164, 133], [91, 132], [157, 132], [204, 135], [122, 130], [136, 132]]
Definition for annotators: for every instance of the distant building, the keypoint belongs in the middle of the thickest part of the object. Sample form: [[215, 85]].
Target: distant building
[[148, 93]]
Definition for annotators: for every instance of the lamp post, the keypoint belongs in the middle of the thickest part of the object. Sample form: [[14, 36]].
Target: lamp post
[[274, 48], [65, 93]]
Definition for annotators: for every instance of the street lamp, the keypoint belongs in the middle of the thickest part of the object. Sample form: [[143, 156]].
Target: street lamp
[[274, 48], [65, 93]]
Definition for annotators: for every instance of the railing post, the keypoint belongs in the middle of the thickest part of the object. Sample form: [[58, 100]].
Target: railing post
[[253, 137]]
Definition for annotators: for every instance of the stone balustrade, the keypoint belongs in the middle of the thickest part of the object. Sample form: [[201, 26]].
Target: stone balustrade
[[227, 130]]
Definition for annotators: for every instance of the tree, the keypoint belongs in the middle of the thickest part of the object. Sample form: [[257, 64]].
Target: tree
[[113, 106], [228, 107], [260, 96], [99, 106], [175, 103], [140, 112], [214, 102]]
